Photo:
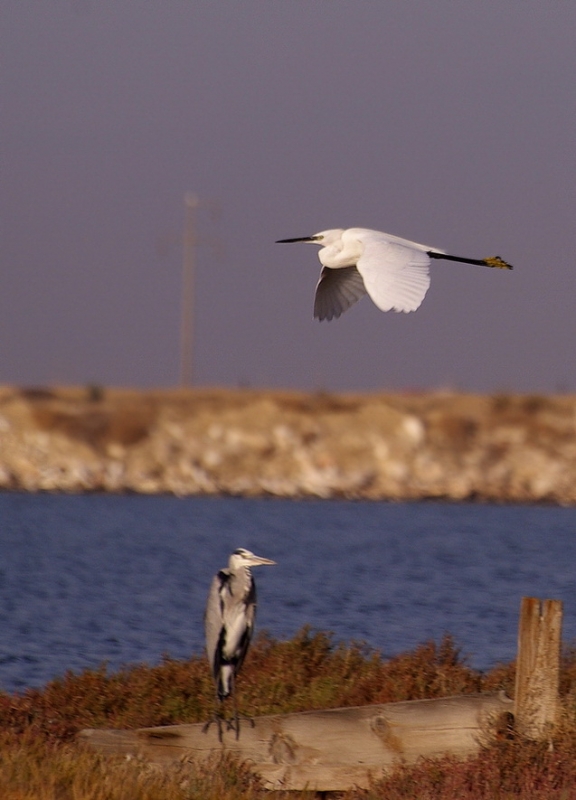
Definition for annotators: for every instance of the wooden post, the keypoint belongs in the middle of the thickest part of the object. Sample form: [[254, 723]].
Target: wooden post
[[538, 667]]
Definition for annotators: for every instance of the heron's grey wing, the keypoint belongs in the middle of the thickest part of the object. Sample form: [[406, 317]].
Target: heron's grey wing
[[213, 618], [336, 291], [240, 615]]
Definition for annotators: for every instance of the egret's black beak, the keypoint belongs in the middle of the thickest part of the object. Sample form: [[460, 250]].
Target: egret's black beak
[[299, 239]]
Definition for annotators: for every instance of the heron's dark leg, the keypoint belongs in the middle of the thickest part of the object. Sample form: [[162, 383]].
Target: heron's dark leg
[[219, 718], [235, 725], [216, 718]]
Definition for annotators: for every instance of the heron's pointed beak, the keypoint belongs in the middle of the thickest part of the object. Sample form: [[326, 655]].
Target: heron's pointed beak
[[299, 239], [258, 561]]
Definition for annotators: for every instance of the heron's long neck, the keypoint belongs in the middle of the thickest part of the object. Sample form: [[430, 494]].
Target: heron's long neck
[[241, 582]]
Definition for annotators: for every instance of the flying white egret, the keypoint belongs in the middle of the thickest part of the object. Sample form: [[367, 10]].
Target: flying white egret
[[394, 272], [229, 624]]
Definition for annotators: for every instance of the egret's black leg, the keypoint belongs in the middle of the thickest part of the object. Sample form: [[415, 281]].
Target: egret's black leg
[[492, 261]]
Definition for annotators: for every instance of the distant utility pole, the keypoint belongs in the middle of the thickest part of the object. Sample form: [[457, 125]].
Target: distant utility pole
[[189, 242]]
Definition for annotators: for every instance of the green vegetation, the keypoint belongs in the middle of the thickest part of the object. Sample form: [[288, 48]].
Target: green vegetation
[[39, 759]]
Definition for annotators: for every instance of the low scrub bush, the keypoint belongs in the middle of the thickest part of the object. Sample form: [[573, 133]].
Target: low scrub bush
[[40, 760]]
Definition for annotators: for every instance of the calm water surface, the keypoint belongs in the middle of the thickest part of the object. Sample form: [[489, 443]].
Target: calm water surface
[[123, 579]]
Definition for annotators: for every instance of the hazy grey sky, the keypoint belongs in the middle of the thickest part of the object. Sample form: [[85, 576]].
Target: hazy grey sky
[[447, 122]]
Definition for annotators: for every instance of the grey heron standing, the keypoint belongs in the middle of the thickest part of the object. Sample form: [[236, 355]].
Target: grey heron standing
[[229, 624], [391, 270]]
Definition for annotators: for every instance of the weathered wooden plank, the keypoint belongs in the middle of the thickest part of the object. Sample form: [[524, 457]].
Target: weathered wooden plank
[[538, 666], [327, 750]]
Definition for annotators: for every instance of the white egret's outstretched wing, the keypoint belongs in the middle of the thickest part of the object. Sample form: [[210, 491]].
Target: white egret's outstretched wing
[[336, 291], [396, 275]]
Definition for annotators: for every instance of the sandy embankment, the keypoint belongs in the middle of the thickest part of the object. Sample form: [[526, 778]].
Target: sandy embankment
[[290, 444]]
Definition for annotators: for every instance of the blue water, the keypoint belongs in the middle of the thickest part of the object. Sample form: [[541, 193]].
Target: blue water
[[121, 579]]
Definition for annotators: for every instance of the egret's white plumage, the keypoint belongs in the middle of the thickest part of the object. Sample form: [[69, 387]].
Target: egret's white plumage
[[229, 621], [394, 272]]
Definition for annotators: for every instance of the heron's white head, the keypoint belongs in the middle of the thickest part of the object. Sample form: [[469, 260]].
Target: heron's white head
[[244, 558]]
